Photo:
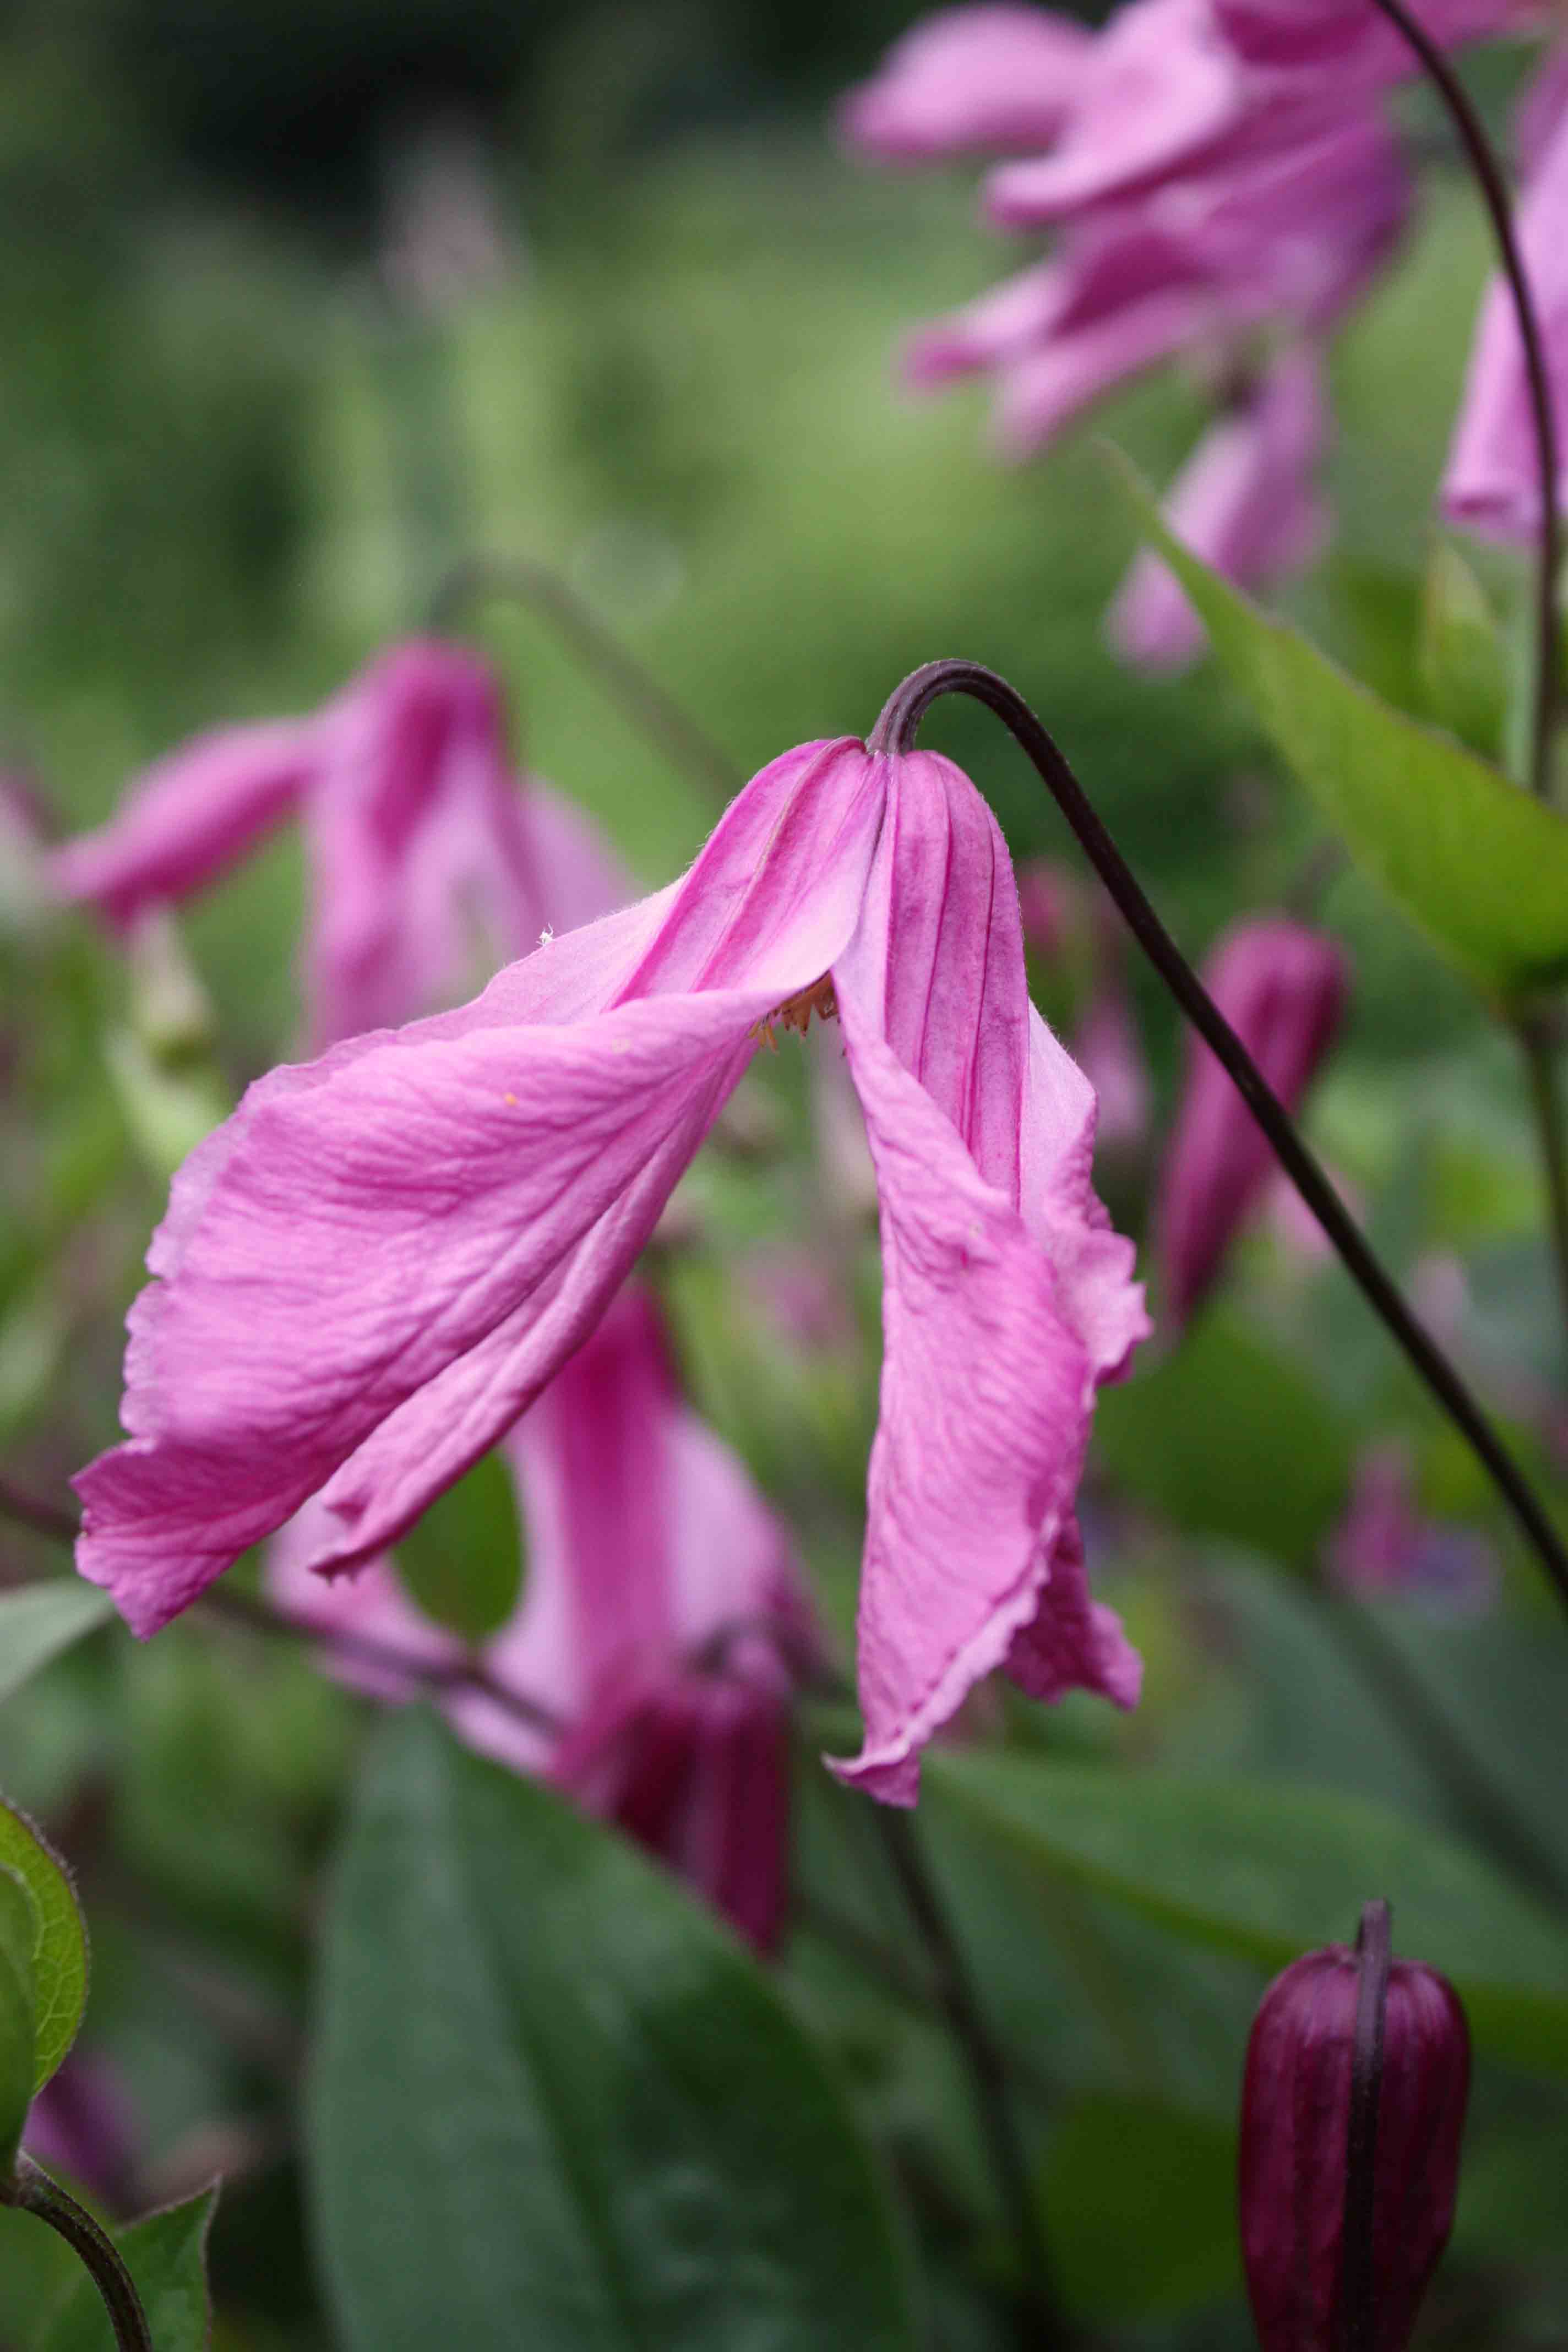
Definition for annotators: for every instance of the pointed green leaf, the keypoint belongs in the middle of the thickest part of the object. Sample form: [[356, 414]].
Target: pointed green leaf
[[1463, 661], [555, 2104], [17, 1932], [462, 1562], [165, 2253], [60, 1945], [1480, 864], [40, 1621], [1271, 1870]]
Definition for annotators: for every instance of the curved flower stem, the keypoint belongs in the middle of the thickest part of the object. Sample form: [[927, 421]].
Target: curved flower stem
[[896, 730], [31, 2190], [640, 695], [987, 2074], [1493, 186]]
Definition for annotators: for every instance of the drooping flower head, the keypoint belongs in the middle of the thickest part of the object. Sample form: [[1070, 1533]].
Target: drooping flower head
[[661, 1627], [374, 1268], [427, 864], [1282, 988], [1492, 483]]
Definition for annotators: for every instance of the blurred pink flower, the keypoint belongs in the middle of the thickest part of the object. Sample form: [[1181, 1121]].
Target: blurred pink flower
[[1282, 988], [377, 1263], [427, 862], [991, 77], [1492, 483], [1384, 1545], [1065, 923], [663, 1622], [1243, 502], [1350, 40], [82, 2123]]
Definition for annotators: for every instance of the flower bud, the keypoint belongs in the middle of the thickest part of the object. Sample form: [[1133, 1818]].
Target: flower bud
[[1282, 988], [1351, 2109]]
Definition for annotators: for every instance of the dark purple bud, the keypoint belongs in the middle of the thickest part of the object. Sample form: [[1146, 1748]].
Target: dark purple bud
[[1351, 2109]]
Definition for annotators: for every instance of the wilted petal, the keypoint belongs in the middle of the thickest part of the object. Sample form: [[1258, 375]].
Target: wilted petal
[[1073, 1643], [990, 77], [190, 817], [1003, 1307]]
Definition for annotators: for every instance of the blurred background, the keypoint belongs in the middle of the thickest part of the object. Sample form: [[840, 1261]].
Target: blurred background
[[303, 300]]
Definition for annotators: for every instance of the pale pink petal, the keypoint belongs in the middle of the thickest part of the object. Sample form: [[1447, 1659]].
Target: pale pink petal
[[373, 1268], [1160, 89], [370, 1602], [987, 77], [1493, 482], [1243, 502], [190, 817]]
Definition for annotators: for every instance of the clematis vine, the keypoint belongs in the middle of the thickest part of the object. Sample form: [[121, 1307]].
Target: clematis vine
[[426, 863], [371, 1272], [662, 1625]]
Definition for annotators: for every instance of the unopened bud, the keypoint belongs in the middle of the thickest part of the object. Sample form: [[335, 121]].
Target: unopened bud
[[1351, 2110]]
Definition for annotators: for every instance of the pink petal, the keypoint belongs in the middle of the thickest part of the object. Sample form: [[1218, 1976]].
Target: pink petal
[[370, 1270], [190, 817], [985, 76]]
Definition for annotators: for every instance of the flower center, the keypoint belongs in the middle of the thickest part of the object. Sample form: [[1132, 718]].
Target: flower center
[[795, 1012]]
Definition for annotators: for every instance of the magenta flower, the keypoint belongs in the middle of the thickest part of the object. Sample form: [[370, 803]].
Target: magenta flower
[[1295, 2130], [426, 863], [662, 1623], [1282, 988], [1492, 483], [377, 1263], [991, 77], [82, 2123], [1384, 1544], [1244, 501]]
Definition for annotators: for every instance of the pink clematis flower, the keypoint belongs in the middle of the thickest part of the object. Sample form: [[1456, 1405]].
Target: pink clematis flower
[[992, 77], [1492, 483], [662, 1623], [1282, 988], [379, 1262], [1244, 501], [420, 846], [1383, 1544]]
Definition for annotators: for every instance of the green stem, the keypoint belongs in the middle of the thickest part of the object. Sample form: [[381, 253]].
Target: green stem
[[1539, 1050], [31, 2190], [987, 2072], [689, 748]]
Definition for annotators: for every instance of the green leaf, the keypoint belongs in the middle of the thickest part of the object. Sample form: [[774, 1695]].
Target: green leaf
[[1480, 864], [555, 2103], [40, 1621], [462, 1562], [1269, 1871], [166, 2255], [1277, 1479], [17, 1932], [1463, 663], [59, 1942], [1139, 2201]]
